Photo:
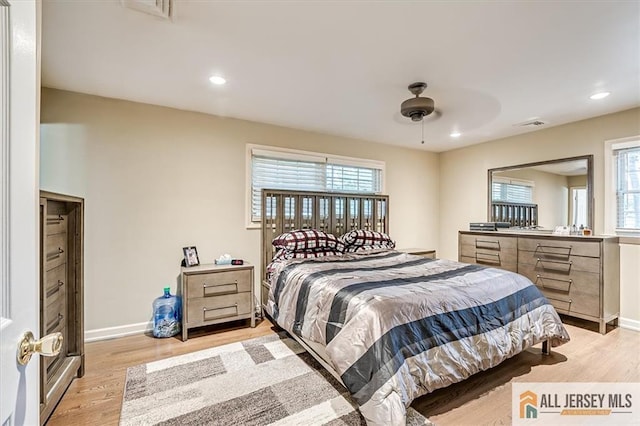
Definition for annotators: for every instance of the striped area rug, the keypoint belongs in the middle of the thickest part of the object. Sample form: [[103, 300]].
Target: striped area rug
[[269, 380]]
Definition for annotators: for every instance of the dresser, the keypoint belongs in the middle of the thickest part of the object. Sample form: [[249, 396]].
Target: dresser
[[214, 294], [61, 294], [579, 275]]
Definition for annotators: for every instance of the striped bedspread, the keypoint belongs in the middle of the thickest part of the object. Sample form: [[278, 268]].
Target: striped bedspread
[[397, 326]]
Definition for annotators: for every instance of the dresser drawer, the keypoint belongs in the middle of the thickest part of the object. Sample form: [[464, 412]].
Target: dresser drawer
[[578, 292], [560, 249], [493, 260], [57, 218], [577, 302], [559, 264], [489, 242], [54, 283], [56, 304], [55, 250], [213, 309], [56, 224], [218, 283], [489, 250]]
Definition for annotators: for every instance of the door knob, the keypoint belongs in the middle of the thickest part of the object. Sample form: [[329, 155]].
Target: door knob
[[49, 345]]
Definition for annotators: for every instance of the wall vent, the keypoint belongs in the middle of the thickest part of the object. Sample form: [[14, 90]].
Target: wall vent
[[162, 8]]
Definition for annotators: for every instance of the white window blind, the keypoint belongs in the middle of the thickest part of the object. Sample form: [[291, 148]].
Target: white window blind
[[300, 171], [512, 191], [627, 164]]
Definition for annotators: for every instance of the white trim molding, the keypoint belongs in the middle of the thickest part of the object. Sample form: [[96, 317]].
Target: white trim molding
[[119, 331], [629, 324], [610, 180], [5, 120]]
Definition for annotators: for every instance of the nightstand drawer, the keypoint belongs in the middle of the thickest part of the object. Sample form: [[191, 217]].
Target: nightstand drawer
[[219, 283], [207, 309]]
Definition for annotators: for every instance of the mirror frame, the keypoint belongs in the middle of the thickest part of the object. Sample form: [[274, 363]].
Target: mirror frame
[[590, 201]]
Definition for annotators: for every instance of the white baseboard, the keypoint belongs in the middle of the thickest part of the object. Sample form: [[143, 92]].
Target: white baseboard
[[120, 331], [143, 327], [629, 324]]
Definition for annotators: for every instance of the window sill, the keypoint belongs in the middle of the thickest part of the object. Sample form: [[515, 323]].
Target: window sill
[[630, 239]]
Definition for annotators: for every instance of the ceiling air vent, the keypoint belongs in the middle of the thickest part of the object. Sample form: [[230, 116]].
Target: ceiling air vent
[[532, 122], [161, 8]]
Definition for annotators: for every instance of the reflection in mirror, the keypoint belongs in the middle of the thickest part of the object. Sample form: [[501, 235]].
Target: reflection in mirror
[[543, 195]]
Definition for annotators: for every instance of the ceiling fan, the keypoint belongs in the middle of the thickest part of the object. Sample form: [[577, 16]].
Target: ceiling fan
[[419, 107]]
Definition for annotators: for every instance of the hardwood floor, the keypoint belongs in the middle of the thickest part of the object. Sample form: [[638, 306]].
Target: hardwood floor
[[484, 398]]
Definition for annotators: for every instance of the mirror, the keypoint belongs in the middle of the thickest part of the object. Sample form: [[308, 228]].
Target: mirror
[[543, 195]]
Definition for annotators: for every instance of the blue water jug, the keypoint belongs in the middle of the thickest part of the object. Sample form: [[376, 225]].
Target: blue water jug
[[166, 315]]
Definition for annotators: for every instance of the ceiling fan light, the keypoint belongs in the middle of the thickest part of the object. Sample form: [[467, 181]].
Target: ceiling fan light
[[417, 108]]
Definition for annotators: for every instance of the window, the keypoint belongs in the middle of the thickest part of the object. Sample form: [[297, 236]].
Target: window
[[275, 168], [579, 207], [627, 165], [623, 190], [512, 191]]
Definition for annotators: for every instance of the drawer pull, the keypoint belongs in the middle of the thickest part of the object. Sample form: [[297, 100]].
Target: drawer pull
[[490, 258], [219, 289], [54, 289], [558, 262], [559, 250], [55, 323], [541, 279], [222, 315], [494, 245], [55, 254]]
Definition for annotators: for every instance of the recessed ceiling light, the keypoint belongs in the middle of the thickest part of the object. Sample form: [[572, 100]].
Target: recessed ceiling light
[[215, 79], [455, 134], [600, 95]]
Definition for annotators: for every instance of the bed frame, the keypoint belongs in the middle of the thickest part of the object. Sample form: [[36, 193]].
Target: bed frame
[[335, 213]]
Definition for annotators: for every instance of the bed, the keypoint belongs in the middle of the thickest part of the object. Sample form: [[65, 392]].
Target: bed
[[390, 326]]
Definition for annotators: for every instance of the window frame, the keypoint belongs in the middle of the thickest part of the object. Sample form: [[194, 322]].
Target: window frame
[[293, 153], [610, 187]]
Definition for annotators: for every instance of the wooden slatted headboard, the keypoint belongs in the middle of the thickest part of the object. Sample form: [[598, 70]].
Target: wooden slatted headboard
[[334, 213]]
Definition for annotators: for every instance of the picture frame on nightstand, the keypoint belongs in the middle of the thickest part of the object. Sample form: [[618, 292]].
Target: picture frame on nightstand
[[190, 256]]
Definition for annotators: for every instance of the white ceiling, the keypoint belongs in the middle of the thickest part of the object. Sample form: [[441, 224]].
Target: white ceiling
[[343, 67]]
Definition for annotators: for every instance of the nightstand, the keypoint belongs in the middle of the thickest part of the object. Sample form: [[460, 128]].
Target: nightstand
[[214, 294], [431, 254]]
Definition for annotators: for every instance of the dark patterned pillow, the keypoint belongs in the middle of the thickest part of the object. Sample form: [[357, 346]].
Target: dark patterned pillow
[[284, 254], [360, 249], [305, 239], [361, 238]]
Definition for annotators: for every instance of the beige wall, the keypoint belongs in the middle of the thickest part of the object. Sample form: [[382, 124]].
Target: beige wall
[[156, 179], [463, 179]]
